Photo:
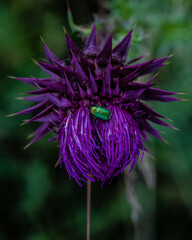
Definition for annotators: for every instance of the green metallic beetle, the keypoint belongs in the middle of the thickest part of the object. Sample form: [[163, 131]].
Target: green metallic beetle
[[100, 112]]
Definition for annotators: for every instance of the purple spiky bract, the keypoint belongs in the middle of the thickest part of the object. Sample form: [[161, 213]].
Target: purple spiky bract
[[91, 148]]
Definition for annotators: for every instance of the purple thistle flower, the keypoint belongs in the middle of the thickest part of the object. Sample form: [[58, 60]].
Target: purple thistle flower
[[99, 144]]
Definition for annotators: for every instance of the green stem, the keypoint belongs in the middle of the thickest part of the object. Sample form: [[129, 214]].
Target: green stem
[[88, 208]]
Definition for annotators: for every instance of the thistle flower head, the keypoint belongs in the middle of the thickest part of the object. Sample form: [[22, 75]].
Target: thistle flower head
[[94, 107]]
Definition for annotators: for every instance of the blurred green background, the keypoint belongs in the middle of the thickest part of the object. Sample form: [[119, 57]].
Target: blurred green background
[[38, 201]]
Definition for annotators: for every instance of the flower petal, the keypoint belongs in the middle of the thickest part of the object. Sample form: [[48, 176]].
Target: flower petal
[[50, 56], [119, 53], [71, 47], [91, 46], [105, 54]]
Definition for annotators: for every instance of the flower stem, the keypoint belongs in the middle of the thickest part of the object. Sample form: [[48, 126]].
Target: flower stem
[[88, 208]]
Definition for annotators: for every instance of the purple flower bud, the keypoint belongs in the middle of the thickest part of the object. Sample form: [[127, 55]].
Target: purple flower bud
[[91, 148]]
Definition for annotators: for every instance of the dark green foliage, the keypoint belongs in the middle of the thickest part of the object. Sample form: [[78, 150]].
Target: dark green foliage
[[38, 201]]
